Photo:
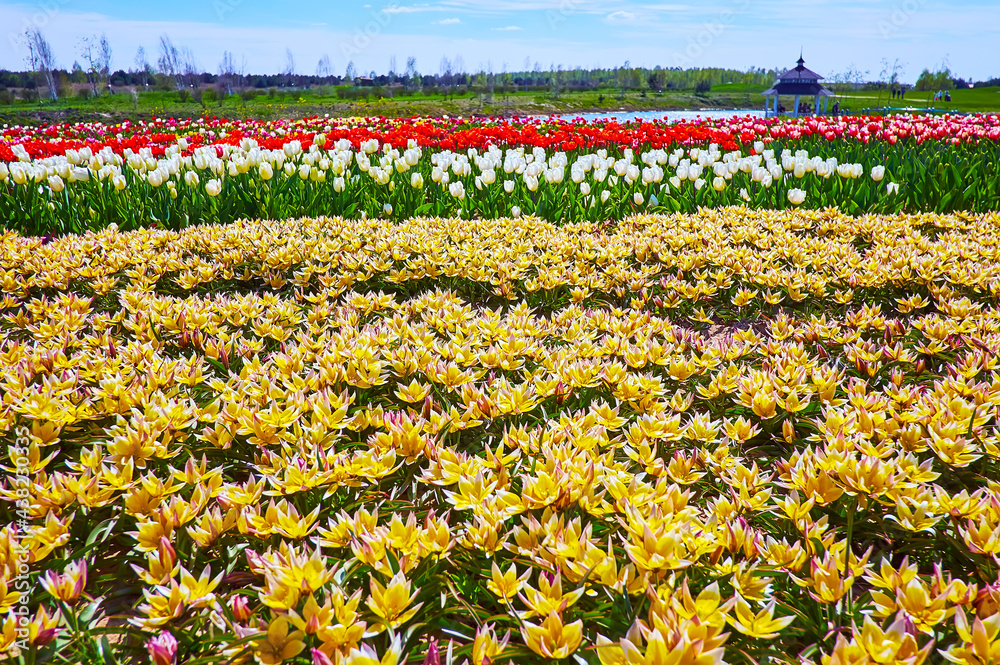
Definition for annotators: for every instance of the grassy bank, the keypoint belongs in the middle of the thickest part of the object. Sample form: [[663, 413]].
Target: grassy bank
[[300, 103]]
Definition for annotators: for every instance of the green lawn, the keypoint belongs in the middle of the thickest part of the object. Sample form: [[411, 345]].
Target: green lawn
[[963, 101], [121, 106]]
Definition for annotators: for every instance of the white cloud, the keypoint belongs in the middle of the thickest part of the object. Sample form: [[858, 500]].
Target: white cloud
[[411, 9], [509, 28], [448, 21], [669, 8], [621, 17]]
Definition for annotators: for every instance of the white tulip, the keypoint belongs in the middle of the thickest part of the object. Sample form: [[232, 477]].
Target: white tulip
[[339, 184], [79, 174], [516, 212], [584, 188], [417, 181], [719, 184], [118, 181], [892, 188], [213, 187], [638, 198], [796, 196], [4, 171], [56, 184], [191, 178], [155, 178], [605, 195], [508, 186], [878, 173], [744, 194], [266, 170]]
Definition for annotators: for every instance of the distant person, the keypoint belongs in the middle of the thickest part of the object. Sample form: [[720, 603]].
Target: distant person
[[902, 93], [836, 108], [947, 95]]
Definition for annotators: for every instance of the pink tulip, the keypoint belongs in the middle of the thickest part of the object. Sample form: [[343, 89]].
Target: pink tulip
[[162, 649]]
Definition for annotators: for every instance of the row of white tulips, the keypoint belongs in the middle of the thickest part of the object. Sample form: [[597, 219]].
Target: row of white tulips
[[372, 172]]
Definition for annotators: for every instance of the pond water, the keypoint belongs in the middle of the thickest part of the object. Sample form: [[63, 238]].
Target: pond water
[[669, 116]]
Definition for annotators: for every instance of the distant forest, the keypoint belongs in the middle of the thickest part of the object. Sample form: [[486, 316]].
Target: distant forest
[[174, 68]]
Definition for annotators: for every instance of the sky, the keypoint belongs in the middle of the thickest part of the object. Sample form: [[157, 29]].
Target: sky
[[834, 35]]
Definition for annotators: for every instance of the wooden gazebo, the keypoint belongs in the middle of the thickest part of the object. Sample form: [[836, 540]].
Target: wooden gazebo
[[798, 82]]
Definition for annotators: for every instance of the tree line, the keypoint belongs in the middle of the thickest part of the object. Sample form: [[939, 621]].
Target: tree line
[[174, 67]]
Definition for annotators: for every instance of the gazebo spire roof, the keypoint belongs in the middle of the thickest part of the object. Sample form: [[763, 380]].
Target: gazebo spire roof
[[799, 80], [800, 73]]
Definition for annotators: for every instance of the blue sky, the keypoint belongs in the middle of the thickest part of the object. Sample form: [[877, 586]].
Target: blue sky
[[834, 34]]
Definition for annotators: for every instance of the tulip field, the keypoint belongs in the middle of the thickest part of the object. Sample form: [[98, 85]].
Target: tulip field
[[373, 392], [173, 174]]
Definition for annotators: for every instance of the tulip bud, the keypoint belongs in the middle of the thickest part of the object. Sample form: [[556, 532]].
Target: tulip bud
[[433, 656], [320, 658], [788, 431], [162, 649], [240, 608], [516, 212], [79, 174]]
